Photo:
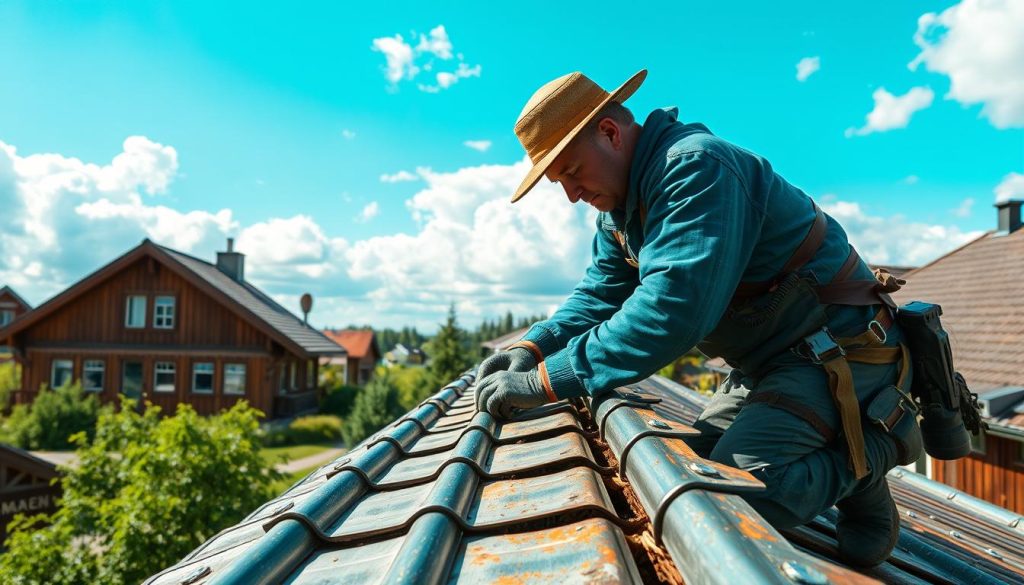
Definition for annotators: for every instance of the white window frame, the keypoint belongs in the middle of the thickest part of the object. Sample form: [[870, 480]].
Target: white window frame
[[196, 372], [161, 368], [163, 312], [128, 322], [231, 388], [94, 366], [53, 372]]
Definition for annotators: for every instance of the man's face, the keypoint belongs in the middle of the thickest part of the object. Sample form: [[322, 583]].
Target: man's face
[[594, 169]]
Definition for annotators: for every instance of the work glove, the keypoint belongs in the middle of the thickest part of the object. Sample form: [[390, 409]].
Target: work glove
[[503, 391], [517, 359]]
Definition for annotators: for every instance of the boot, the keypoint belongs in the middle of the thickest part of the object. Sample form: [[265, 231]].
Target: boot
[[868, 525]]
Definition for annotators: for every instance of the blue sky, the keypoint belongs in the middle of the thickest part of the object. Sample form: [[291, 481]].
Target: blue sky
[[286, 118]]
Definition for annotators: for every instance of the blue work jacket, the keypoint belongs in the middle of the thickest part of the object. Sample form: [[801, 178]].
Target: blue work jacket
[[716, 215]]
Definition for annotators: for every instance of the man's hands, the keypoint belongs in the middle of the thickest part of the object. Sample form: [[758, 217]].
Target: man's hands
[[517, 359], [503, 391]]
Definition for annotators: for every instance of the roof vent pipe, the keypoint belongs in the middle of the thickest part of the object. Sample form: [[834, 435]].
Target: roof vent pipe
[[1009, 215]]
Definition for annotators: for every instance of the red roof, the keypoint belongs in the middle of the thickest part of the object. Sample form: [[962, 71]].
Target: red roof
[[357, 342]]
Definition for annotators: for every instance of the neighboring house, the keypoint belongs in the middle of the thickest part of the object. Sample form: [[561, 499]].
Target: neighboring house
[[12, 306], [447, 494], [166, 327], [406, 356], [501, 343], [362, 351], [25, 486], [978, 286]]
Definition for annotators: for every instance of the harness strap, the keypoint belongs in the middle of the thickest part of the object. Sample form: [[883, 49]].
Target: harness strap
[[797, 408], [803, 254], [840, 382]]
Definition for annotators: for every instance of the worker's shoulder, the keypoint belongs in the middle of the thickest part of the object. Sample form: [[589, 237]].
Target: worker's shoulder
[[695, 143]]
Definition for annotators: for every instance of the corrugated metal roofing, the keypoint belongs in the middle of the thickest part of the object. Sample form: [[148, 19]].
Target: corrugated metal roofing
[[585, 492], [265, 308]]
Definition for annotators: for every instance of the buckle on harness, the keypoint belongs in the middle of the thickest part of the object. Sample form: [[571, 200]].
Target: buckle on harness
[[878, 331], [820, 347]]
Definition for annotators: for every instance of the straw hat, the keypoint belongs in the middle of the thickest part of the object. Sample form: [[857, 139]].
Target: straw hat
[[555, 115]]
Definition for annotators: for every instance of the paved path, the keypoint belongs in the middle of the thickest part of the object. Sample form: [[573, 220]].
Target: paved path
[[316, 459]]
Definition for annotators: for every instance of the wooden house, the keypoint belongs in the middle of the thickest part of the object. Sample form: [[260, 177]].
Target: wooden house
[[12, 306], [163, 326], [362, 351]]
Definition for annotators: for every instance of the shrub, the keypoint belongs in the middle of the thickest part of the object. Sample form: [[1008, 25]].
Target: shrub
[[10, 380], [338, 400], [147, 490], [52, 418], [376, 406], [320, 428]]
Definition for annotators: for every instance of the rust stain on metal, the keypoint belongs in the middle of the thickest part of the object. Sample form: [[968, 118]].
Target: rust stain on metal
[[753, 528]]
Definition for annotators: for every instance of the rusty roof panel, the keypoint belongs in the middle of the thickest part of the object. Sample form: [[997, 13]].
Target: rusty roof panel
[[446, 494]]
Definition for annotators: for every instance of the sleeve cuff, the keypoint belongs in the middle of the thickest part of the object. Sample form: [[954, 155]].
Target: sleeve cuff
[[560, 378], [543, 338], [530, 346]]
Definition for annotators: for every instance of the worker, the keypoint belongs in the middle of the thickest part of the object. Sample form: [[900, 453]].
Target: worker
[[701, 243]]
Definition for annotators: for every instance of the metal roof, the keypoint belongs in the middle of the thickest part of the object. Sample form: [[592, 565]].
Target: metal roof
[[602, 491]]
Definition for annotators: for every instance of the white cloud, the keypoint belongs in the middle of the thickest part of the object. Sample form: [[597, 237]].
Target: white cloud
[[404, 62], [910, 180], [399, 177], [806, 67], [399, 57], [63, 217], [369, 212], [979, 44], [437, 43], [891, 111], [964, 209], [894, 240], [348, 134], [480, 145], [1011, 187]]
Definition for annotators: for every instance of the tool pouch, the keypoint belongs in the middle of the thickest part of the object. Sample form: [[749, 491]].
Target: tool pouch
[[895, 413]]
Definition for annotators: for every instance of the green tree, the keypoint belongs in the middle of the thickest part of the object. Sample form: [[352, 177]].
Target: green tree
[[146, 491], [376, 405], [52, 418], [10, 381], [448, 352]]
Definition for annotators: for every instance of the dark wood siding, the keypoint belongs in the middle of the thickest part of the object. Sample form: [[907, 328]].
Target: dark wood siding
[[92, 327], [996, 476]]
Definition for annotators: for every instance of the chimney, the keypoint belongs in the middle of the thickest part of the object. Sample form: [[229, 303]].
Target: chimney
[[232, 263], [1009, 215]]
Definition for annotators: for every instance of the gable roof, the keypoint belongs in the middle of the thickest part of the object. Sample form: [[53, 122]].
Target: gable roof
[[26, 462], [357, 342], [592, 491], [10, 291], [503, 341], [978, 286], [244, 299]]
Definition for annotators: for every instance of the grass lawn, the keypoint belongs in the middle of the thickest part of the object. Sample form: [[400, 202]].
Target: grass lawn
[[288, 480], [277, 455]]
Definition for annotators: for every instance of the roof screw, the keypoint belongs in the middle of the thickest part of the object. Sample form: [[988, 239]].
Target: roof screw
[[657, 424], [955, 534], [994, 553], [701, 468], [801, 573], [638, 391], [951, 495], [911, 514], [898, 473], [196, 575], [341, 463]]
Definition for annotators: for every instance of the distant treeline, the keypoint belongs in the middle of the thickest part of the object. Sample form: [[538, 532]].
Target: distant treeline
[[488, 329]]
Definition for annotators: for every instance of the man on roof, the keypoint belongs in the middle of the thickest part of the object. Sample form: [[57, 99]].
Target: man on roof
[[701, 243]]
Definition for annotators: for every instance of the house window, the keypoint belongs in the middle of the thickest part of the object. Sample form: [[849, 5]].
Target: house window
[[234, 378], [163, 313], [202, 378], [61, 372], [92, 375], [6, 316], [292, 375], [163, 377], [310, 372], [135, 312]]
